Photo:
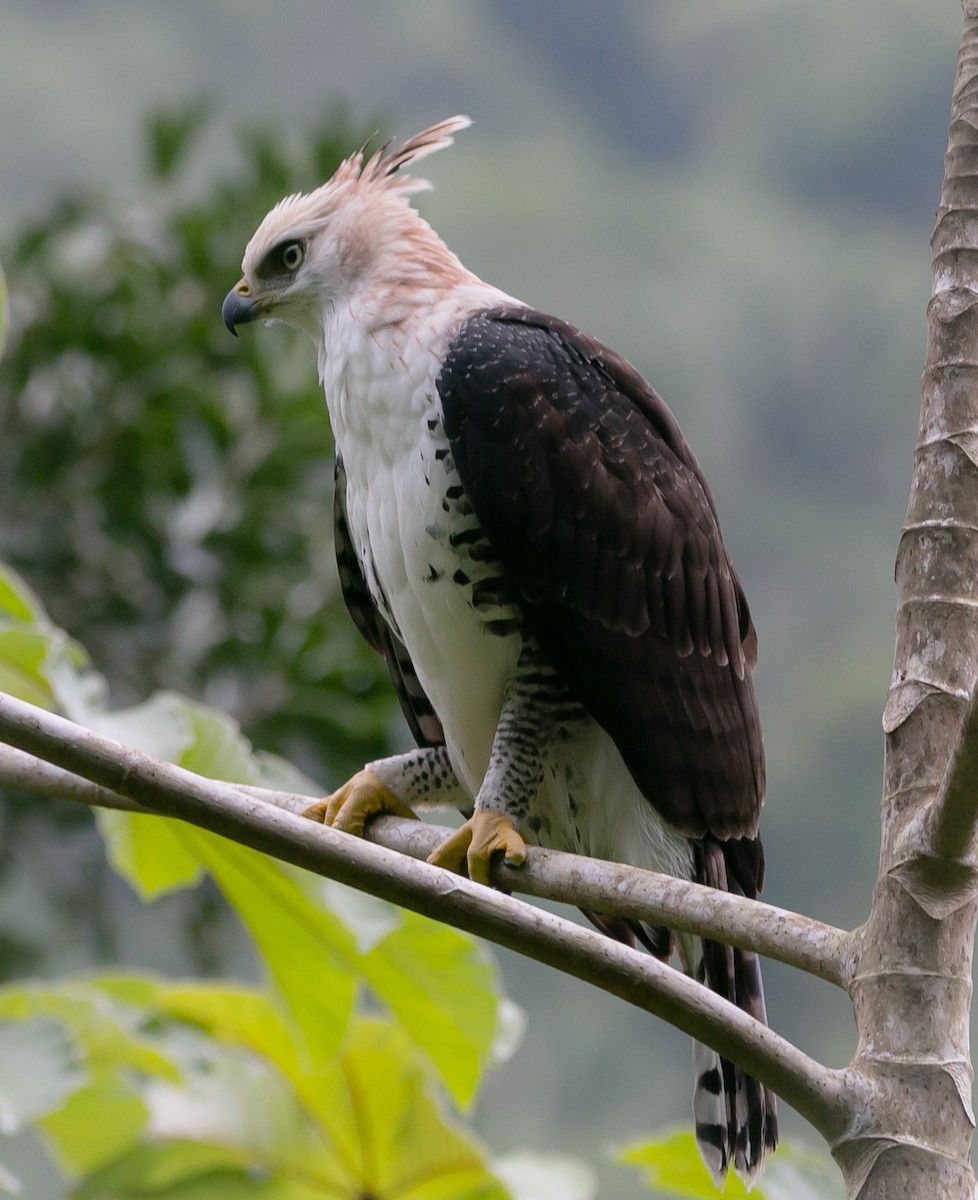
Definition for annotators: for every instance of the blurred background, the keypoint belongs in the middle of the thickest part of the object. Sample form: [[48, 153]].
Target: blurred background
[[737, 196]]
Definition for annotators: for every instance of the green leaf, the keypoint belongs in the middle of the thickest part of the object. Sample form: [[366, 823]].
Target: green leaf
[[148, 852], [17, 601], [23, 657], [99, 1121], [671, 1164], [106, 1034], [216, 747], [38, 1070], [159, 726], [242, 1105], [37, 658], [443, 989], [310, 955], [151, 853], [391, 1135], [177, 1170], [235, 1014]]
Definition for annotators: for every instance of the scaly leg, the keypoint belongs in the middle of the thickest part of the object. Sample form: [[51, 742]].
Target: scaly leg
[[536, 709], [391, 785], [349, 807]]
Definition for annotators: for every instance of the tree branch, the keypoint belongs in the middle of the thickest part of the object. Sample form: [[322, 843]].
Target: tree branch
[[811, 946], [825, 1097]]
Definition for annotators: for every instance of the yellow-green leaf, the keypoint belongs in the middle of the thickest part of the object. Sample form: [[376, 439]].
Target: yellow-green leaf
[[442, 988], [105, 1033], [175, 1170], [216, 747], [390, 1133], [236, 1014], [148, 852], [98, 1122], [17, 601], [308, 952], [23, 656], [243, 1105], [671, 1164], [38, 1070]]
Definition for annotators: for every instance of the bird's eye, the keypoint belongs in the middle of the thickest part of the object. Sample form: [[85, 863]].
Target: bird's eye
[[291, 254]]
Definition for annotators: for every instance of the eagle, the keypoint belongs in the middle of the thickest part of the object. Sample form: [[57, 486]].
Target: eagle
[[525, 535]]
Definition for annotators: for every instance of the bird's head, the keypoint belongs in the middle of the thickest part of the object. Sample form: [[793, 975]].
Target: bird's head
[[312, 250]]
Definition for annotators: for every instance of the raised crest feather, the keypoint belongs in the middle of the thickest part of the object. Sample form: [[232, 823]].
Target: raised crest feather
[[303, 214], [384, 164]]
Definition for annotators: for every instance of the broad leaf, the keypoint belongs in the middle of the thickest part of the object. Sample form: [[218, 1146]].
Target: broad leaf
[[443, 989], [310, 955], [17, 601], [102, 1119], [234, 1014], [241, 1104], [106, 1034], [671, 1165], [23, 657], [176, 1170], [390, 1134], [38, 1070], [216, 747], [148, 852]]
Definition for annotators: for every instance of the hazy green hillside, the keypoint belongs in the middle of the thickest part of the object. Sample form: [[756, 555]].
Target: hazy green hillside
[[738, 196]]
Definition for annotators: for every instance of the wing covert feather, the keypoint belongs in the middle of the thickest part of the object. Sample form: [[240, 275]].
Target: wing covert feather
[[598, 510]]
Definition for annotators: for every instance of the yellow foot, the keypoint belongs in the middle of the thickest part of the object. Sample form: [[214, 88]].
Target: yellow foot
[[483, 835], [351, 806]]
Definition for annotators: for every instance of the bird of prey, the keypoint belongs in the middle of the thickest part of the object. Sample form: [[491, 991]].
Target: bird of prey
[[524, 534]]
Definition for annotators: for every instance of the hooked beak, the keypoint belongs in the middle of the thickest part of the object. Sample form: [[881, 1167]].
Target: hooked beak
[[240, 306]]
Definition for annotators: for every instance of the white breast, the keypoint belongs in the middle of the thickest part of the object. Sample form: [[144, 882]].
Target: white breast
[[381, 394]]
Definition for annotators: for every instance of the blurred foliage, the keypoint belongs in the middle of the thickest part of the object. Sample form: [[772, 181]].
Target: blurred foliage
[[140, 1087], [670, 1166], [288, 1090], [168, 490], [165, 488]]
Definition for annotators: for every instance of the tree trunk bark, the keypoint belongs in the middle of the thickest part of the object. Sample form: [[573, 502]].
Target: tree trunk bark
[[912, 963]]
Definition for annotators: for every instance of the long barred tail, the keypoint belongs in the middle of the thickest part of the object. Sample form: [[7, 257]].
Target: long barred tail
[[735, 1115]]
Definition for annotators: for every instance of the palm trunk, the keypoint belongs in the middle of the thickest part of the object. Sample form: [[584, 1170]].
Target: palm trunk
[[911, 978]]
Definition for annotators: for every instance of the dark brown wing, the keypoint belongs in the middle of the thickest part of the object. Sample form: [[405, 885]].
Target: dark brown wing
[[598, 510], [420, 716]]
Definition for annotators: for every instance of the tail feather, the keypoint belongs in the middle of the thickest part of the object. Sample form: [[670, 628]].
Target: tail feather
[[735, 1115]]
